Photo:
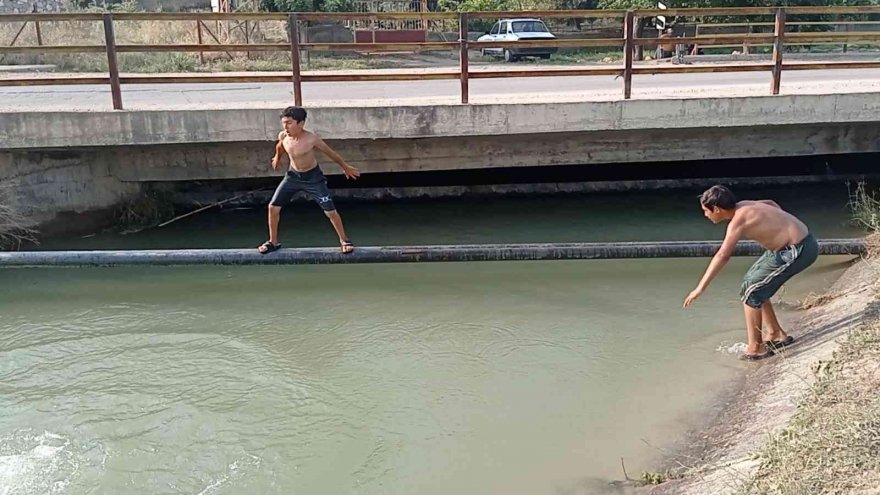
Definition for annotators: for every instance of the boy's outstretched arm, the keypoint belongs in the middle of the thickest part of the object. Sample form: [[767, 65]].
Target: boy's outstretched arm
[[718, 261], [349, 171], [279, 152]]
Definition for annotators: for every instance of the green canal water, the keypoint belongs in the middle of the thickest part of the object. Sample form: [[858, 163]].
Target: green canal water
[[514, 378]]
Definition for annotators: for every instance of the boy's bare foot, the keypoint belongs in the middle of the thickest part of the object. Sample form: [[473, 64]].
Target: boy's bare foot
[[346, 247]]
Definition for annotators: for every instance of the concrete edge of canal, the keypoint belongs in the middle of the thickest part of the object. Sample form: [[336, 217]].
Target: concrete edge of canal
[[723, 457]]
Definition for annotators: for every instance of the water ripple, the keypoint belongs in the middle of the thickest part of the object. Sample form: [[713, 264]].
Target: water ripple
[[42, 463]]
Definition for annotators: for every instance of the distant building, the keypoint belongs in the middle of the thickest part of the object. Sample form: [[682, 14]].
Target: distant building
[[40, 6]]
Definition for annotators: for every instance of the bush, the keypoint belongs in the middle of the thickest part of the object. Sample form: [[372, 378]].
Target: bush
[[307, 5], [865, 207], [14, 227]]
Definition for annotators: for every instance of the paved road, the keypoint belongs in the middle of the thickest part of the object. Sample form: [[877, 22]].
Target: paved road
[[93, 97]]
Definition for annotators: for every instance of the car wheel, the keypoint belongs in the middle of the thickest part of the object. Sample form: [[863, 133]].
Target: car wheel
[[509, 57]]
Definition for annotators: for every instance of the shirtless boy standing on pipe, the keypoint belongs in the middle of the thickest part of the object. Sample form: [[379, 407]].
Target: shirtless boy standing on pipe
[[304, 175]]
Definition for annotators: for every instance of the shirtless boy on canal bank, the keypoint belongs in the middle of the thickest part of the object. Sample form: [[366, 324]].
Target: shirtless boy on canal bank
[[304, 175], [790, 249]]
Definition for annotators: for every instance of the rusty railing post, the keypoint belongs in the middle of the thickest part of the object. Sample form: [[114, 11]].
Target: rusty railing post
[[15, 38], [39, 33], [200, 40], [778, 45], [423, 7], [247, 38], [463, 54], [112, 67], [628, 49], [293, 34], [305, 39]]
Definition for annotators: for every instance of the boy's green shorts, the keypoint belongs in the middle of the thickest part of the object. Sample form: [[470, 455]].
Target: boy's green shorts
[[774, 268]]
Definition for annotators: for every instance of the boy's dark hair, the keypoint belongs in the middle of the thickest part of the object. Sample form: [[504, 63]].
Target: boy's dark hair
[[719, 196], [296, 113]]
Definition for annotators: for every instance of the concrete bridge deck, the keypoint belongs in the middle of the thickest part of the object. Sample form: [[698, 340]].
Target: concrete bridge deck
[[61, 161], [28, 129]]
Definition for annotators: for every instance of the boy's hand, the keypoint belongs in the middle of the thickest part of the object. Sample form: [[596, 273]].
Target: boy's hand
[[275, 160], [350, 172], [692, 297]]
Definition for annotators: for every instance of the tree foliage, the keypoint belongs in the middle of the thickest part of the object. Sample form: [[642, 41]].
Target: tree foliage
[[487, 5], [627, 4], [649, 4], [307, 5], [472, 5]]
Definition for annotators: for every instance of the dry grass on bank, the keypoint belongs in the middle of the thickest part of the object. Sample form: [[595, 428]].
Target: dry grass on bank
[[813, 300], [144, 211], [872, 246], [865, 208], [172, 32], [832, 446]]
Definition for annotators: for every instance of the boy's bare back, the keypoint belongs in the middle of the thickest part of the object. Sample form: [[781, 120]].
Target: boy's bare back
[[767, 224]]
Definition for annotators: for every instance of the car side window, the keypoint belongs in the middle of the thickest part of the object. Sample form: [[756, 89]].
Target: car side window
[[505, 27], [529, 27], [495, 28]]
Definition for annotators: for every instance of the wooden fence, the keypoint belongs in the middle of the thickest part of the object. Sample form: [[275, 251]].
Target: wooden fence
[[778, 39]]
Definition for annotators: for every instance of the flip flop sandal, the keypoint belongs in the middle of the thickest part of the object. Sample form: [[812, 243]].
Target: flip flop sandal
[[269, 247], [346, 244], [756, 357], [778, 345]]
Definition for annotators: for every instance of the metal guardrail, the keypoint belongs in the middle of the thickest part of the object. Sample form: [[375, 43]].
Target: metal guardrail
[[706, 40], [778, 39]]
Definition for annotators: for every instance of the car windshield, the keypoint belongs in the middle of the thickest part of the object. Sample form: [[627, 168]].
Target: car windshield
[[529, 27]]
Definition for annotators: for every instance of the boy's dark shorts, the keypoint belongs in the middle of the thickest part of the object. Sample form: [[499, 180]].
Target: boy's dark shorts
[[774, 268], [312, 183]]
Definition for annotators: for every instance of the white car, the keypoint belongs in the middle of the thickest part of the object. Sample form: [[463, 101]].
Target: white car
[[518, 30]]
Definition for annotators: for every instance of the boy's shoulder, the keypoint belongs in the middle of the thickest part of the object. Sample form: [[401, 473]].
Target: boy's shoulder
[[743, 209], [312, 138], [747, 207]]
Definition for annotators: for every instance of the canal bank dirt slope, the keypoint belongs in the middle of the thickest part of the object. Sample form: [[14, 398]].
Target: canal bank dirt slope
[[724, 458]]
